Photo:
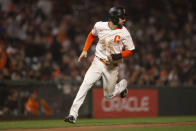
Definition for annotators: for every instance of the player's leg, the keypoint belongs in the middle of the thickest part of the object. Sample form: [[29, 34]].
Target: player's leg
[[121, 88], [92, 75], [110, 87], [109, 77]]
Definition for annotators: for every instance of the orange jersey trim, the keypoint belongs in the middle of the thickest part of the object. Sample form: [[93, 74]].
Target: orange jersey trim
[[126, 53], [89, 41]]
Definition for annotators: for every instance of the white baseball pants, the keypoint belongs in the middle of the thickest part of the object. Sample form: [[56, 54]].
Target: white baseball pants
[[97, 70]]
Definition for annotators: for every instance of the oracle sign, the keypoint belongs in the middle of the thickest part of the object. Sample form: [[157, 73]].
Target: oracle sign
[[138, 103], [131, 104]]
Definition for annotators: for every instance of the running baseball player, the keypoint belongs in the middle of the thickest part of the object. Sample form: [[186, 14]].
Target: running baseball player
[[115, 43]]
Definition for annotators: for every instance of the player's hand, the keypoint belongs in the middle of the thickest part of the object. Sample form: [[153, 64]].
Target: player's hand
[[110, 58], [113, 61], [83, 54]]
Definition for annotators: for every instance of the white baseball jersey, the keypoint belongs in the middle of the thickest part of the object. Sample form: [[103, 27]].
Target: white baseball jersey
[[111, 41]]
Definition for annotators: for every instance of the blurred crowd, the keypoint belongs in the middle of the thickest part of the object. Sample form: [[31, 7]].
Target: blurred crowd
[[31, 104], [42, 39]]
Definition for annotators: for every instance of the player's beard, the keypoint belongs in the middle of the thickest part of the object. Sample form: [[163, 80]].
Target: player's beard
[[121, 25]]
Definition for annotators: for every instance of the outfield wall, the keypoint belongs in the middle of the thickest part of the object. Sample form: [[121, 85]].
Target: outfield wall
[[142, 101], [146, 102], [138, 103], [177, 101]]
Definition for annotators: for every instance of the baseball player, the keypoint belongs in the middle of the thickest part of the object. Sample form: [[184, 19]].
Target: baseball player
[[115, 43]]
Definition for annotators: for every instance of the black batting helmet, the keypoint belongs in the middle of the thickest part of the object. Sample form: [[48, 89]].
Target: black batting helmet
[[115, 13]]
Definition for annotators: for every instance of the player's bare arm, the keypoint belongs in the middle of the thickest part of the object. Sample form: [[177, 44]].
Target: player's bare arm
[[83, 54], [87, 44]]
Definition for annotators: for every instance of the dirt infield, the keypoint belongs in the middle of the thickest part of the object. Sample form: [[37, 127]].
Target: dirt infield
[[89, 128]]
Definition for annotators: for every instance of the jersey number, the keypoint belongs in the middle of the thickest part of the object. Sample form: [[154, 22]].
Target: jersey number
[[117, 39]]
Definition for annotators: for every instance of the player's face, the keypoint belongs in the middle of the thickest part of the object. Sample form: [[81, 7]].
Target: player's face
[[123, 19]]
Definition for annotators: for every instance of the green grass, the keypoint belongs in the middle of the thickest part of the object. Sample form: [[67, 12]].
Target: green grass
[[176, 128], [30, 124]]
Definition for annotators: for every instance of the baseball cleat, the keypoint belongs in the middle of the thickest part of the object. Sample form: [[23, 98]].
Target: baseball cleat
[[70, 119], [124, 93]]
